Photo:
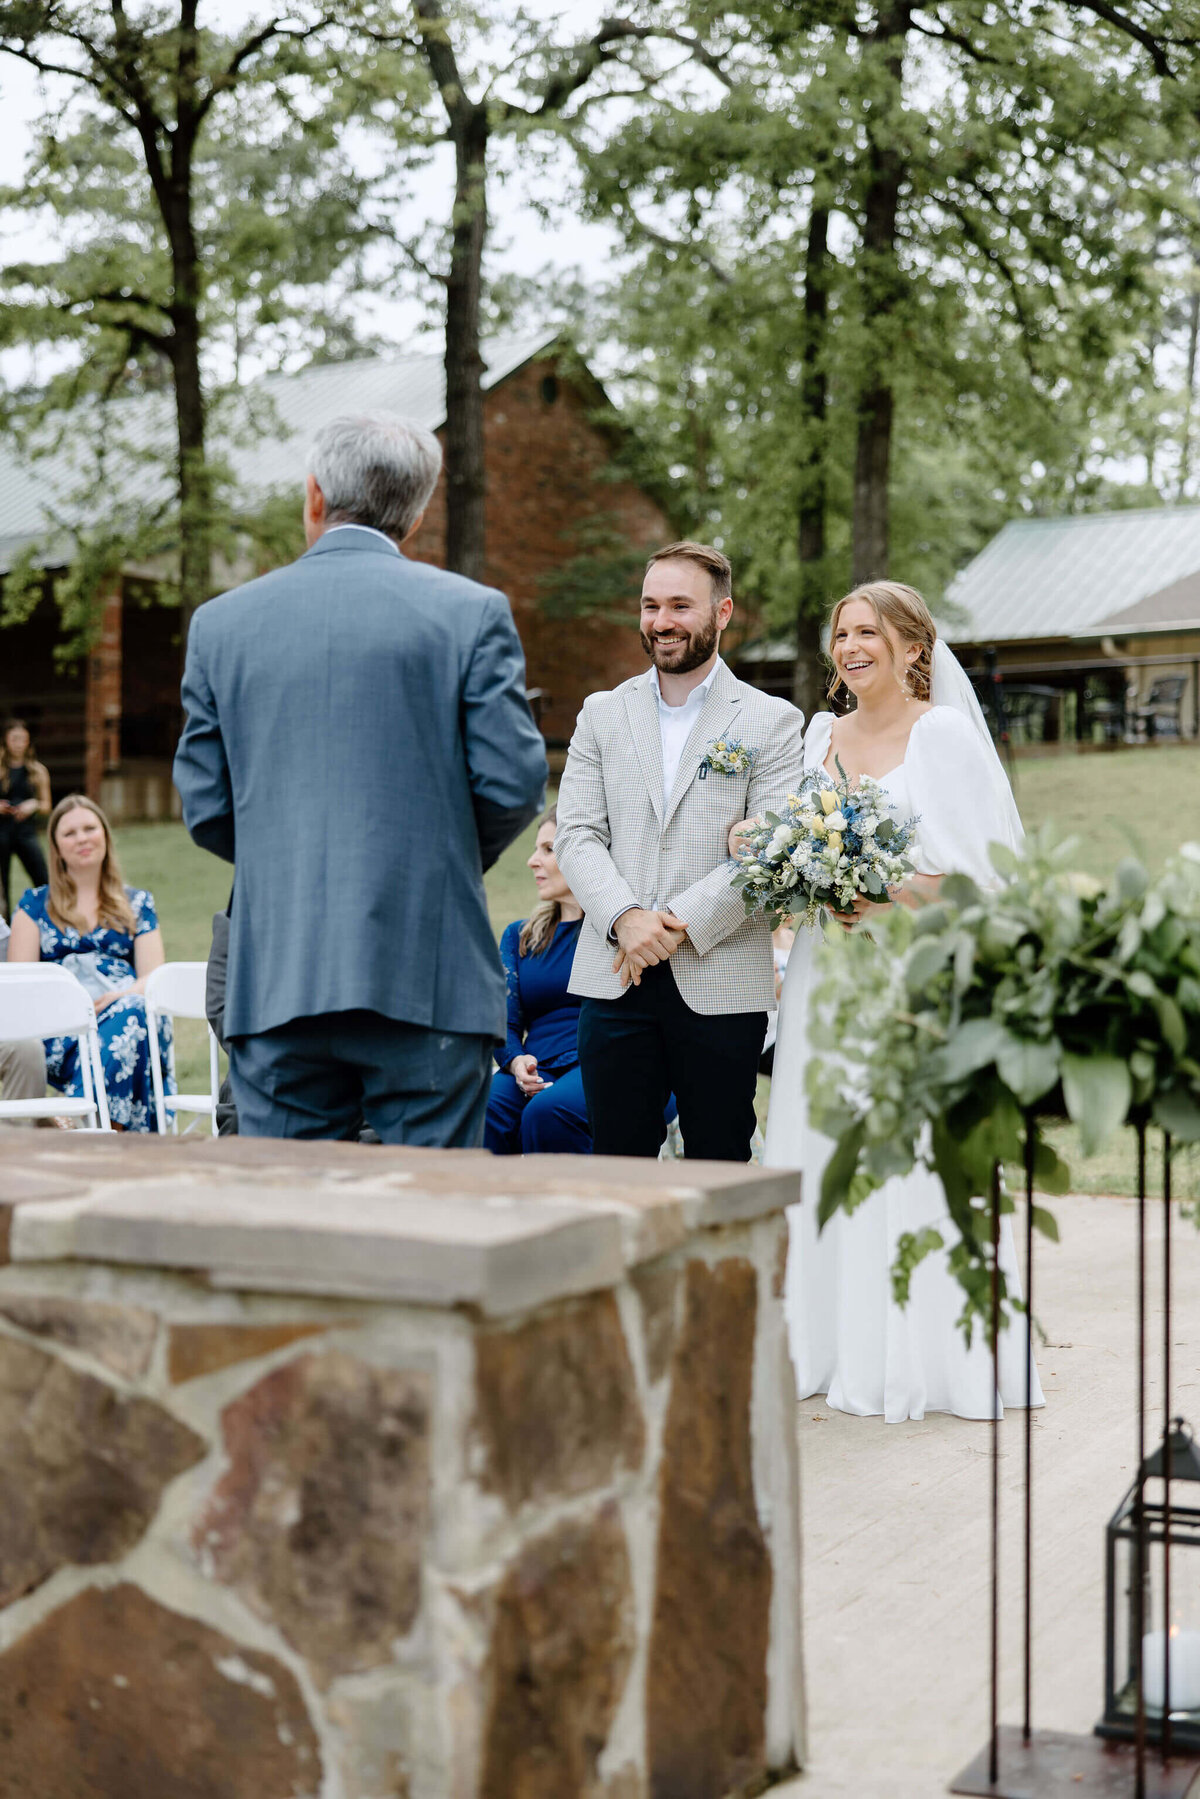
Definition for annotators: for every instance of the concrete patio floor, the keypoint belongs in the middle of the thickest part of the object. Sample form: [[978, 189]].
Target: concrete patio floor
[[896, 1538]]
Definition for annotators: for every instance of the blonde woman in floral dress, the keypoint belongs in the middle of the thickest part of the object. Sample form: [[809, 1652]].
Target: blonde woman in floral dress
[[107, 934]]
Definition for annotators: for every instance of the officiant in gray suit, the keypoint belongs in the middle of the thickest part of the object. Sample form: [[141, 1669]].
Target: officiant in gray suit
[[357, 739]]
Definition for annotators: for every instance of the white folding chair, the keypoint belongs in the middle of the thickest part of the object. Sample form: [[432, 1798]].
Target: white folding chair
[[176, 990], [39, 999]]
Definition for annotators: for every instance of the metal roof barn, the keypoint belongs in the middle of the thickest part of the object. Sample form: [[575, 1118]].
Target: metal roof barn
[[1067, 577]]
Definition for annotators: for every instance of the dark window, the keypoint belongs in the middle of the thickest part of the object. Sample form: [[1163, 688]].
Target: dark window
[[549, 389]]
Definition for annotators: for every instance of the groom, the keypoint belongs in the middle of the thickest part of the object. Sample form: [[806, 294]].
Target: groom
[[676, 980]]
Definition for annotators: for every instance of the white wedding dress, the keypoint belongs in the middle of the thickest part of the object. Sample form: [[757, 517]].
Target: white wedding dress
[[849, 1339]]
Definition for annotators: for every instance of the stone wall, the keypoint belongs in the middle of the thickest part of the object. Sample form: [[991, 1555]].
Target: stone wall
[[334, 1473]]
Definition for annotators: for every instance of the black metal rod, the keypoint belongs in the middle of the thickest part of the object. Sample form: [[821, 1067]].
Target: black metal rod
[[1166, 1717], [1027, 1727], [994, 1748], [1139, 1598]]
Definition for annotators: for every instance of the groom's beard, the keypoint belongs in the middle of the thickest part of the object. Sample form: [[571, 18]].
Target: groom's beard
[[686, 653]]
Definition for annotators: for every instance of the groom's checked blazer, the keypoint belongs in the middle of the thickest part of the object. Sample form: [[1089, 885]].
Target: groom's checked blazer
[[617, 847]]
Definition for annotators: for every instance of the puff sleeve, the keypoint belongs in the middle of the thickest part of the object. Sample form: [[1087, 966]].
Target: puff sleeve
[[961, 797]]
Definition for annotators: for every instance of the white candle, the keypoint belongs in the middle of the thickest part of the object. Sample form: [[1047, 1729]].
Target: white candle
[[1185, 1669]]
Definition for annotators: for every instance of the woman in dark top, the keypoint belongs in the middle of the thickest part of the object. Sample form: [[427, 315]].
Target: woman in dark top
[[24, 793], [537, 1099]]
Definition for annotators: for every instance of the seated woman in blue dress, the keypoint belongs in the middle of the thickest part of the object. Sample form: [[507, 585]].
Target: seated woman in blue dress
[[107, 934], [537, 1102]]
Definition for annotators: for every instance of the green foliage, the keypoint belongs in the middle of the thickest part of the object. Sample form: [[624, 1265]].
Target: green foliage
[[600, 579], [1040, 152], [953, 1030], [200, 210]]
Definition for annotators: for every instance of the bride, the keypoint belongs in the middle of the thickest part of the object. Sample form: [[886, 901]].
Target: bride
[[918, 730]]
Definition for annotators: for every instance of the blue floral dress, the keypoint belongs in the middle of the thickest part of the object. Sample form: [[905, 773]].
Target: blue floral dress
[[103, 959]]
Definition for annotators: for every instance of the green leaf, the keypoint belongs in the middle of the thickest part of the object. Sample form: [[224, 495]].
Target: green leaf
[[1028, 1069], [947, 1159], [1179, 1112], [1132, 879], [928, 957], [1170, 1020], [959, 890], [1097, 1090], [1004, 860], [1045, 1222], [839, 1171], [1050, 1172], [911, 1249], [964, 961], [972, 1046]]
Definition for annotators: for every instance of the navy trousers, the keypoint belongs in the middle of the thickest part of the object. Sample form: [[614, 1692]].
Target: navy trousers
[[635, 1051], [554, 1120], [320, 1077]]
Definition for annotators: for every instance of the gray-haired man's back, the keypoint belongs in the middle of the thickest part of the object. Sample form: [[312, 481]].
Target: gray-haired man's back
[[357, 738]]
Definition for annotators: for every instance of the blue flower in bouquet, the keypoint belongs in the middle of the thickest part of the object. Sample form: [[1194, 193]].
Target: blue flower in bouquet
[[834, 844]]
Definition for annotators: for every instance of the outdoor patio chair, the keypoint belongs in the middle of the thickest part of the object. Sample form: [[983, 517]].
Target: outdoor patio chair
[[176, 990], [39, 999], [1160, 715]]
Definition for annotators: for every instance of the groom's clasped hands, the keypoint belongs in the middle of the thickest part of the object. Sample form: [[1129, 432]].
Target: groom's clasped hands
[[644, 938]]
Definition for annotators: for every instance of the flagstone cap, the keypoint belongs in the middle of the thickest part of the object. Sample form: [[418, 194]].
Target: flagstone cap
[[431, 1227]]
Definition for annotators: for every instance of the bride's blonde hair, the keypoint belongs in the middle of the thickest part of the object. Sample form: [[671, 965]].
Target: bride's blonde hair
[[900, 609]]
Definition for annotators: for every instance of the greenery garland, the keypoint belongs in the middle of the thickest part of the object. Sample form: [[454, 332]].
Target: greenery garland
[[944, 1033]]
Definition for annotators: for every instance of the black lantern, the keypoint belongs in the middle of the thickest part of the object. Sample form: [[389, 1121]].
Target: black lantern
[[1152, 1600]]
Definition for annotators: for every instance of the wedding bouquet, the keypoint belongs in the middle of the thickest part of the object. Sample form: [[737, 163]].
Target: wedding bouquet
[[833, 843]]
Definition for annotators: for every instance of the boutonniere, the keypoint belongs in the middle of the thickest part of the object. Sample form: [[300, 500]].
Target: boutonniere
[[727, 756]]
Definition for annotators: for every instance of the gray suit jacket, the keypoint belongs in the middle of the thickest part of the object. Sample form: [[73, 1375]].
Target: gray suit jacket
[[357, 737], [618, 848]]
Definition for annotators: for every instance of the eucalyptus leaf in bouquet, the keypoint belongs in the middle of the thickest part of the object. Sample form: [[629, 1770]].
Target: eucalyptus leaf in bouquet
[[954, 1029]]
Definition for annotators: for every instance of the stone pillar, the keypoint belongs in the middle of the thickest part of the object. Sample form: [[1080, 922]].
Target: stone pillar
[[345, 1473]]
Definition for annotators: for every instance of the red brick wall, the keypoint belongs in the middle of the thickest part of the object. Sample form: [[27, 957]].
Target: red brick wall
[[102, 701], [543, 460]]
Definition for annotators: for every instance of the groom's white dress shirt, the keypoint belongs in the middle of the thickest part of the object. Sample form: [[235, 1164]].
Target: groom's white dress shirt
[[675, 725]]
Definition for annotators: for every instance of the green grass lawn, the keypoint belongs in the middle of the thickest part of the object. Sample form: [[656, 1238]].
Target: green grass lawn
[[1102, 799], [1143, 802]]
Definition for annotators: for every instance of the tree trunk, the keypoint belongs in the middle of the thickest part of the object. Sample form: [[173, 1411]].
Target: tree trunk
[[173, 183], [808, 678], [465, 475], [195, 484], [1189, 388], [881, 286]]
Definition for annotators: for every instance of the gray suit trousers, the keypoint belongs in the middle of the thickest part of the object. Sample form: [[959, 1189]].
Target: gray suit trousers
[[320, 1077]]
